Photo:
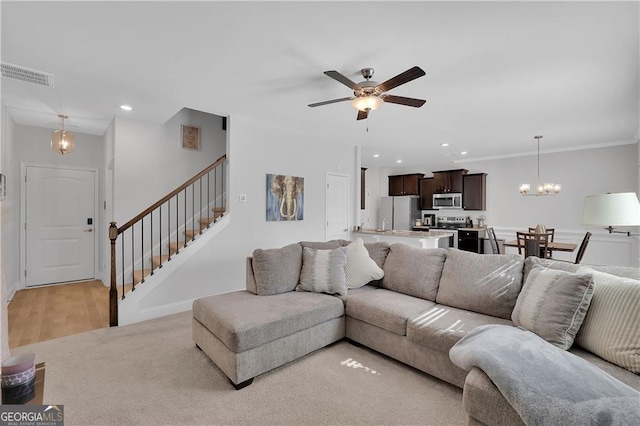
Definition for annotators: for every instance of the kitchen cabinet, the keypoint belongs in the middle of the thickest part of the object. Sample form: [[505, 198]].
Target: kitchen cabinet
[[449, 181], [427, 187], [470, 240], [405, 184], [474, 190]]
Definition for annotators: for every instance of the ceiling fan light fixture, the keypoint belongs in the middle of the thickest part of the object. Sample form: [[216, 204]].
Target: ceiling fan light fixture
[[367, 103]]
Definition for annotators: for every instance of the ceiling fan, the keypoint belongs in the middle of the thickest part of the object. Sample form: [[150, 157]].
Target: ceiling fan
[[369, 95]]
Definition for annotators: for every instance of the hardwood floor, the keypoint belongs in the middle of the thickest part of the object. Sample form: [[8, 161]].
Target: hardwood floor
[[44, 313]]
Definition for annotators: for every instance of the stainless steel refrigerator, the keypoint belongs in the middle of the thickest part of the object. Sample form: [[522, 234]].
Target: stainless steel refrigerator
[[400, 213]]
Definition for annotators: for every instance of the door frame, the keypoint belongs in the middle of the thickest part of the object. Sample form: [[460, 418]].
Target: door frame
[[326, 203], [23, 215]]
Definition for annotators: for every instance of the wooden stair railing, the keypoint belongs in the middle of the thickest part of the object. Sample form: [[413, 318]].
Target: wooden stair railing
[[203, 214]]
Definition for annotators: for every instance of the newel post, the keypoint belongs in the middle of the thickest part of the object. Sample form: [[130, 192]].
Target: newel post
[[113, 290]]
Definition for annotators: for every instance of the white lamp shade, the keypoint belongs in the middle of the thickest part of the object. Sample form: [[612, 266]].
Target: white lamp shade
[[622, 209]]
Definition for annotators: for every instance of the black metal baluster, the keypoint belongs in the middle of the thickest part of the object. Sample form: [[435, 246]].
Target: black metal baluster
[[224, 208], [122, 241], [193, 210], [215, 194], [185, 218], [160, 234], [142, 249], [177, 222], [151, 255], [133, 250], [169, 227], [208, 198], [200, 213]]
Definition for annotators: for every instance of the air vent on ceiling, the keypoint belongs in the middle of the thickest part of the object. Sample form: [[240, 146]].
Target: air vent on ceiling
[[17, 72]]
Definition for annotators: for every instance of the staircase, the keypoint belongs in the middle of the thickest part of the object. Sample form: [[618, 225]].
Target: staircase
[[162, 231]]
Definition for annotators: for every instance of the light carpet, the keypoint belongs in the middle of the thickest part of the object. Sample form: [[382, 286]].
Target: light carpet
[[152, 373]]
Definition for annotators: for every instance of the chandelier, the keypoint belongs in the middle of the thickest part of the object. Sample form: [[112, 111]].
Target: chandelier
[[62, 141], [541, 189]]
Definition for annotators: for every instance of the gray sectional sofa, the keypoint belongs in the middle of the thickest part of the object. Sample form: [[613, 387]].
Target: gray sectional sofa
[[426, 302]]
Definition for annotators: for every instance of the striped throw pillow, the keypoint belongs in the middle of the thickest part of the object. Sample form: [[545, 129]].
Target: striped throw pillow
[[611, 328], [323, 271], [360, 268]]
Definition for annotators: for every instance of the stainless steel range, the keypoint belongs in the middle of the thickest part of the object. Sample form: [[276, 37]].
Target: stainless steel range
[[452, 223]]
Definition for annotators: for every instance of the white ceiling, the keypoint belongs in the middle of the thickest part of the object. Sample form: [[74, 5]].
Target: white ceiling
[[498, 73]]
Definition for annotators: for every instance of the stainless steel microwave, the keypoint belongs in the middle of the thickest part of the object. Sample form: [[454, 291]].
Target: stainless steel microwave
[[447, 201]]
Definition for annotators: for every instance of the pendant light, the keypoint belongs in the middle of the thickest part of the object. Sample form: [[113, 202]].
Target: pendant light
[[61, 140], [541, 189]]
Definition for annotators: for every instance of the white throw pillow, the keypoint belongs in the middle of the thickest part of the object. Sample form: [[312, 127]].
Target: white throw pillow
[[611, 328], [360, 268]]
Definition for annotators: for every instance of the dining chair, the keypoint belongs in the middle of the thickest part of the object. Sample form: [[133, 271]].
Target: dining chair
[[551, 231], [532, 244], [581, 249], [495, 248]]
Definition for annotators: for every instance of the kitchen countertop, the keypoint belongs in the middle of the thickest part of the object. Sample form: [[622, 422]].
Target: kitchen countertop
[[410, 234], [474, 228]]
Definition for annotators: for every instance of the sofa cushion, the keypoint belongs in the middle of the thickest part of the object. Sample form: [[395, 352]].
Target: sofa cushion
[[378, 252], [553, 304], [413, 271], [277, 270], [611, 328], [323, 271], [243, 321], [621, 271], [441, 326], [385, 309], [484, 283], [360, 269]]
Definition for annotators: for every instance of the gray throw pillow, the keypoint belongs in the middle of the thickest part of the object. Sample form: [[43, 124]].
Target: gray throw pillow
[[277, 270], [553, 304], [484, 283], [323, 271], [413, 271]]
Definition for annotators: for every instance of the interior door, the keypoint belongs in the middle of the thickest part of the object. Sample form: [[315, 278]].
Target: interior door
[[59, 228], [337, 226]]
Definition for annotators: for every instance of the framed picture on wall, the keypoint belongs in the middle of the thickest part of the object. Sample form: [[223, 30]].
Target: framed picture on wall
[[285, 198], [190, 137]]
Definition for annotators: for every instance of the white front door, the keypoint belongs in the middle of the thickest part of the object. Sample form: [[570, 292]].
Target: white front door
[[59, 229], [337, 226]]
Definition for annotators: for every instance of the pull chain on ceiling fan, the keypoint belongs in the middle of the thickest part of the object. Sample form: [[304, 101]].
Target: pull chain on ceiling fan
[[369, 95]]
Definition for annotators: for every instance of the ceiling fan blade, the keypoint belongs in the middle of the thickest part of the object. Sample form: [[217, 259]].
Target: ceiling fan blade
[[342, 79], [401, 100], [405, 77], [362, 115], [333, 101]]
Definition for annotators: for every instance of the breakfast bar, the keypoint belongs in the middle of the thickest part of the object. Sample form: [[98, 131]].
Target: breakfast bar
[[423, 239]]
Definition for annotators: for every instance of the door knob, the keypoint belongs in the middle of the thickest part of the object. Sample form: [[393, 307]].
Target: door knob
[[88, 230], [345, 230]]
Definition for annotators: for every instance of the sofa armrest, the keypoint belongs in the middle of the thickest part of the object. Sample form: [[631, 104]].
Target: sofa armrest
[[251, 279]]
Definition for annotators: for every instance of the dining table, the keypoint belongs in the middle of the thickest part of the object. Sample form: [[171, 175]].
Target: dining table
[[566, 247]]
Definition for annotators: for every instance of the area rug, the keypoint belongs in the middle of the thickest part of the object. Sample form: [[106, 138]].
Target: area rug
[[151, 373]]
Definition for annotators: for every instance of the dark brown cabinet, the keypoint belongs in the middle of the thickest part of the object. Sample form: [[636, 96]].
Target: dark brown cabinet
[[405, 184], [427, 186], [448, 181], [474, 191], [470, 241]]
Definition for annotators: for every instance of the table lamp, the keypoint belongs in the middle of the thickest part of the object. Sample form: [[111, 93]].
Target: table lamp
[[621, 209]]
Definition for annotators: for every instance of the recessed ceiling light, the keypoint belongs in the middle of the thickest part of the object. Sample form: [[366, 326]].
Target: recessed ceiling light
[[463, 152], [398, 161], [126, 107], [376, 155], [444, 144]]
